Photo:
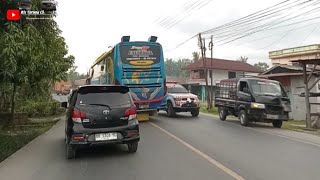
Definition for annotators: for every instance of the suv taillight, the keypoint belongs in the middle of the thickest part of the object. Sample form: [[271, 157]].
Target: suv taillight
[[77, 115], [131, 113]]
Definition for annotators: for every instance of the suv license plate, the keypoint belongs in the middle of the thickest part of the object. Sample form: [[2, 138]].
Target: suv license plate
[[106, 136]]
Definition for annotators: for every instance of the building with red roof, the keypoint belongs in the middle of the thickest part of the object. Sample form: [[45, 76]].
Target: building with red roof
[[218, 69]]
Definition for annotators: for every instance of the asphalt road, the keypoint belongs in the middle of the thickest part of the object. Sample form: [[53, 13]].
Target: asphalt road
[[183, 148]]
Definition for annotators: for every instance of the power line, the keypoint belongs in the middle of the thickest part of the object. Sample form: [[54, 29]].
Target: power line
[[184, 42], [188, 8], [186, 5], [266, 25], [269, 29], [285, 5], [232, 22], [316, 27], [245, 24], [265, 37], [198, 4], [243, 18], [277, 41]]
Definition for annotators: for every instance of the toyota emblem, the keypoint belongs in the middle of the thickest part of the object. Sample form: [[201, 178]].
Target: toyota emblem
[[106, 112]]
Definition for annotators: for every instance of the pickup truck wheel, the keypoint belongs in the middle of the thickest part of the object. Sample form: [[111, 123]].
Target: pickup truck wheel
[[222, 114], [170, 111], [244, 121], [195, 113], [277, 123]]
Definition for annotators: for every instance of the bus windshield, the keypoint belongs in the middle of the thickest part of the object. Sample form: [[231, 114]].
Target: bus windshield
[[140, 54]]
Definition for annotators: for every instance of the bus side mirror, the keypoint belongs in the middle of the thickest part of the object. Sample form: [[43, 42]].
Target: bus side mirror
[[102, 68]]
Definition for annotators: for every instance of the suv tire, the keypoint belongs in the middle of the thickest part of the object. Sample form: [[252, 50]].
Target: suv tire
[[132, 147], [70, 151], [170, 111], [243, 117], [195, 113]]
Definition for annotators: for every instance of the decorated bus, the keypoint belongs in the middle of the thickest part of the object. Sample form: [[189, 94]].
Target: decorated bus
[[138, 65]]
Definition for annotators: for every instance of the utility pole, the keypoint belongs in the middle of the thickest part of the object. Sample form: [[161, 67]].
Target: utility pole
[[211, 72], [202, 44]]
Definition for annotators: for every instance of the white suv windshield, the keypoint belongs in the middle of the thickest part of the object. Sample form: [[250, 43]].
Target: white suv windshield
[[177, 89]]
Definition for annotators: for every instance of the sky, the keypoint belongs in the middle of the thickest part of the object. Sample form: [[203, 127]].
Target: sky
[[91, 27]]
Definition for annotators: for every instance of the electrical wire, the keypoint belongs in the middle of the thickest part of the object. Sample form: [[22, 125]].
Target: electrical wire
[[269, 29], [216, 35], [271, 13], [316, 27], [263, 27], [180, 17], [265, 37], [245, 17]]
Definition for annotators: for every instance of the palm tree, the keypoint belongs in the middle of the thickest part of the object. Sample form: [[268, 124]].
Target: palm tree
[[195, 56], [243, 59]]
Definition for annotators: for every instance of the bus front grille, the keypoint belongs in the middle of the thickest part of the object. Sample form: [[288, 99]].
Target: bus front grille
[[155, 85], [140, 73]]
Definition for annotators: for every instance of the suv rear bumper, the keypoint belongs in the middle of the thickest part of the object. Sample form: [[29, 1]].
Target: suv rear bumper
[[102, 143], [125, 134]]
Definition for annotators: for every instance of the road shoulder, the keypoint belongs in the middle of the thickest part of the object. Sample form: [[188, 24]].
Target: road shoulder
[[294, 135]]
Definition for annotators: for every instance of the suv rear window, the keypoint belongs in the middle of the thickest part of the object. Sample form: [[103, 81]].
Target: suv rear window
[[104, 95]]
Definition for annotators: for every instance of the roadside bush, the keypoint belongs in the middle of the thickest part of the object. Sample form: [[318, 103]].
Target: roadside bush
[[214, 110], [40, 107]]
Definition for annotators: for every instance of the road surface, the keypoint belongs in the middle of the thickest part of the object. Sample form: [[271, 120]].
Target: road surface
[[181, 148]]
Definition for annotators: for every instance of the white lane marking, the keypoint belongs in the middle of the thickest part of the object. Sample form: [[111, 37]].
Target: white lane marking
[[285, 136], [271, 133], [208, 158]]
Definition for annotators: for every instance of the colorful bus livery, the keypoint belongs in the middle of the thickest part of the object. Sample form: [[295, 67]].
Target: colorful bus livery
[[138, 65]]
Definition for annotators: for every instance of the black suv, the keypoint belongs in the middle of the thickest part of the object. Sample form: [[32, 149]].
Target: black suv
[[99, 115]]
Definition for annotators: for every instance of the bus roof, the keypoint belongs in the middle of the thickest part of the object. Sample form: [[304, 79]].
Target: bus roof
[[100, 58]]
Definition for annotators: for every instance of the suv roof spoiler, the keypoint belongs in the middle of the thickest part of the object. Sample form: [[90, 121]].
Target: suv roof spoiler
[[246, 75], [103, 88]]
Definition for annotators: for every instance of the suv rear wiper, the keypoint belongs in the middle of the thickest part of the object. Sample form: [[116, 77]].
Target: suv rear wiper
[[101, 105], [273, 95]]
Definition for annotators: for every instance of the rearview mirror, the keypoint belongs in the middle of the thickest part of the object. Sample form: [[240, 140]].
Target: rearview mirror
[[64, 104]]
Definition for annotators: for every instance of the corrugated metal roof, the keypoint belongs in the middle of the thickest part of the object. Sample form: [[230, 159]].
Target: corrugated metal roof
[[280, 75]]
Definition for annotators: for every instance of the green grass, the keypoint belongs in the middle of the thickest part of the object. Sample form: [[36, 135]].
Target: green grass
[[299, 126], [214, 110], [14, 138], [294, 125]]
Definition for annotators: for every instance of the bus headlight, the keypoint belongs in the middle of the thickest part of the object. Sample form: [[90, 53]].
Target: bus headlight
[[258, 106]]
